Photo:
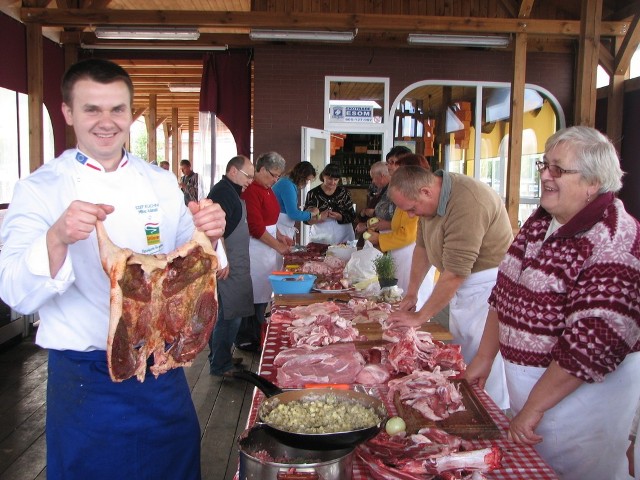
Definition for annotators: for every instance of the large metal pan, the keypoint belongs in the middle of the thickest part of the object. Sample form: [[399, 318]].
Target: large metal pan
[[314, 441]]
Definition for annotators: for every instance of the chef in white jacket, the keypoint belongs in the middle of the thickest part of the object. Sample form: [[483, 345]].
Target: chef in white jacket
[[50, 263]]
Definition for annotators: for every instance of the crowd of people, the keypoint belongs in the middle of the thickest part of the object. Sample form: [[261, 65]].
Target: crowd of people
[[548, 321]]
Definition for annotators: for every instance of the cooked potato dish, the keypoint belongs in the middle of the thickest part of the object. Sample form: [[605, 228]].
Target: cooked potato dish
[[323, 415]]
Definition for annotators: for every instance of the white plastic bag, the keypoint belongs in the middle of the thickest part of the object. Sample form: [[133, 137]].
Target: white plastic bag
[[360, 266]]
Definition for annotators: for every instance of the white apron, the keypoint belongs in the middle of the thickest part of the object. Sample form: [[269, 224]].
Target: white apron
[[264, 260], [468, 311], [287, 225], [586, 434], [402, 257], [331, 232]]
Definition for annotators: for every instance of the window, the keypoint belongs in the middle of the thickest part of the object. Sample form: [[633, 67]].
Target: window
[[14, 140]]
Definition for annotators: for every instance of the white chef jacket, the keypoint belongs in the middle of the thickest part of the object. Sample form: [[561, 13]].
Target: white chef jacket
[[149, 217]]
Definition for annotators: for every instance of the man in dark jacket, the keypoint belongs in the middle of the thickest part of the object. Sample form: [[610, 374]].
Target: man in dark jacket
[[235, 293]]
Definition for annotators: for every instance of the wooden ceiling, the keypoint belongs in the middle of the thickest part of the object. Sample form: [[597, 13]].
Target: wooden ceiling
[[551, 26]]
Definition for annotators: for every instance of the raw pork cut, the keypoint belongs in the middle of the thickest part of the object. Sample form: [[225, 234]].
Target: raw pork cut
[[431, 393], [373, 374], [338, 363], [423, 456], [161, 305]]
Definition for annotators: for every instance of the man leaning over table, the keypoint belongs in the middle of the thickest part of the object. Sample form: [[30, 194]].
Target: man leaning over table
[[464, 232]]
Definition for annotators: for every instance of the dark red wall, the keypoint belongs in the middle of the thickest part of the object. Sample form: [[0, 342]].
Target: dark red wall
[[13, 73], [289, 81]]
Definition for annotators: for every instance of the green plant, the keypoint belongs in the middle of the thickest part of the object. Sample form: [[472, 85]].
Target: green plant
[[385, 266]]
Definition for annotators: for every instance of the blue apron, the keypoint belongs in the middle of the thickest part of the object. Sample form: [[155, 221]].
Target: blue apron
[[98, 429]]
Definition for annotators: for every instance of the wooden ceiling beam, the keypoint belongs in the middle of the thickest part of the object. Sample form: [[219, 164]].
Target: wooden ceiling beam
[[326, 21], [628, 47]]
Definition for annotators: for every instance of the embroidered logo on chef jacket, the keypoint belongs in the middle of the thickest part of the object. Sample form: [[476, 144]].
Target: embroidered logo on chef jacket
[[153, 233]]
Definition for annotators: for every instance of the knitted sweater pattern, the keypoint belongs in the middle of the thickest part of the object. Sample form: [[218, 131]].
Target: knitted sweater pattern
[[574, 297]]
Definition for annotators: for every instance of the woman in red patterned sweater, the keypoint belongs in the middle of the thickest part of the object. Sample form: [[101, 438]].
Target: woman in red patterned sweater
[[565, 314]]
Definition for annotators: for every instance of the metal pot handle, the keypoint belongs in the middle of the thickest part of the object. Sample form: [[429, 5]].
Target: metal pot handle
[[297, 476]]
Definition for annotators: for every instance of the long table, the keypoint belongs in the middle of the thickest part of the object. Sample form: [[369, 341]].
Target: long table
[[519, 461]]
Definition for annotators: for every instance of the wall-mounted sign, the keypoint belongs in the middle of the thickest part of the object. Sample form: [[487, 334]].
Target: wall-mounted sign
[[352, 113]]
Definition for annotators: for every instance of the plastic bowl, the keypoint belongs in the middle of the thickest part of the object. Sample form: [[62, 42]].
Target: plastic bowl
[[300, 283], [343, 252]]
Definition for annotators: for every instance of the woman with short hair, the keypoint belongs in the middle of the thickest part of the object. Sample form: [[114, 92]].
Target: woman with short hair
[[565, 314]]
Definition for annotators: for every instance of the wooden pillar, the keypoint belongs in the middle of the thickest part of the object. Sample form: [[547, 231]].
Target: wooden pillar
[[515, 128], [615, 103], [175, 144], [191, 136], [70, 57], [588, 52], [35, 72], [152, 138]]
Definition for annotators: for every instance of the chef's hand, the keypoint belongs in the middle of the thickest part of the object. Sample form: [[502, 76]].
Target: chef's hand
[[478, 370], [223, 273], [522, 426], [405, 319], [76, 223], [209, 218]]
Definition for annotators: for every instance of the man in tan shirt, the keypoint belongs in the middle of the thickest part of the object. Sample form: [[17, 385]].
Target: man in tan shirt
[[464, 232]]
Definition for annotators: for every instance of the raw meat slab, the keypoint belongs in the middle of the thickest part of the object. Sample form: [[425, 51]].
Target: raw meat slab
[[474, 423]]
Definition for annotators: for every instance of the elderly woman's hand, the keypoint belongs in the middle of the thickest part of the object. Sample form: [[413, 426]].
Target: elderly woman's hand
[[405, 319], [521, 428], [478, 370]]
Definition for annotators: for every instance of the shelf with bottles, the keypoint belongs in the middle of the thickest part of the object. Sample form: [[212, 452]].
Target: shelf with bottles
[[355, 167]]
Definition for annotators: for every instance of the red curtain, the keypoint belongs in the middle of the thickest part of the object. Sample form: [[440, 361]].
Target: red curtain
[[226, 91]]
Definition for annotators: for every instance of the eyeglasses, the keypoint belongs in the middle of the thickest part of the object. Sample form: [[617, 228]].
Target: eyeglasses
[[250, 177], [554, 170], [272, 174]]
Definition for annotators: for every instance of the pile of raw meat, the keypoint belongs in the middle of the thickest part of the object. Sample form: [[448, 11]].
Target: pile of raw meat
[[429, 454], [325, 348]]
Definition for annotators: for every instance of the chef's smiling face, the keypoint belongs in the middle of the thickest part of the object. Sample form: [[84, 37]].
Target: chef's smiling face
[[100, 115], [566, 195]]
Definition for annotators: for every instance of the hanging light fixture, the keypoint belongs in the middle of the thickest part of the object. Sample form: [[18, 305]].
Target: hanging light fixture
[[146, 33], [304, 35], [458, 40]]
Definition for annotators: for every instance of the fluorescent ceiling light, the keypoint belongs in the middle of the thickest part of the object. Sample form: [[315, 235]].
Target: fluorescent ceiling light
[[117, 46], [458, 40], [356, 103], [303, 35], [147, 33], [499, 103], [184, 87]]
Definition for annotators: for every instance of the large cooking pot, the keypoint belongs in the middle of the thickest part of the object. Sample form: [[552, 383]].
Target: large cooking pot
[[314, 441], [288, 463]]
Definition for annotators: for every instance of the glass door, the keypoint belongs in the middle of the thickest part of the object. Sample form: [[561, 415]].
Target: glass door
[[315, 149]]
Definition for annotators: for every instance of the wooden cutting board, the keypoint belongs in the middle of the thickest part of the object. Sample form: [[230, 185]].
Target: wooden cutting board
[[472, 424], [373, 331]]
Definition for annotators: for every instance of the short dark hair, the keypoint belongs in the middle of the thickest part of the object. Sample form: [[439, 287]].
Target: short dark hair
[[397, 150], [332, 170], [301, 171], [96, 69], [185, 162], [238, 161]]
